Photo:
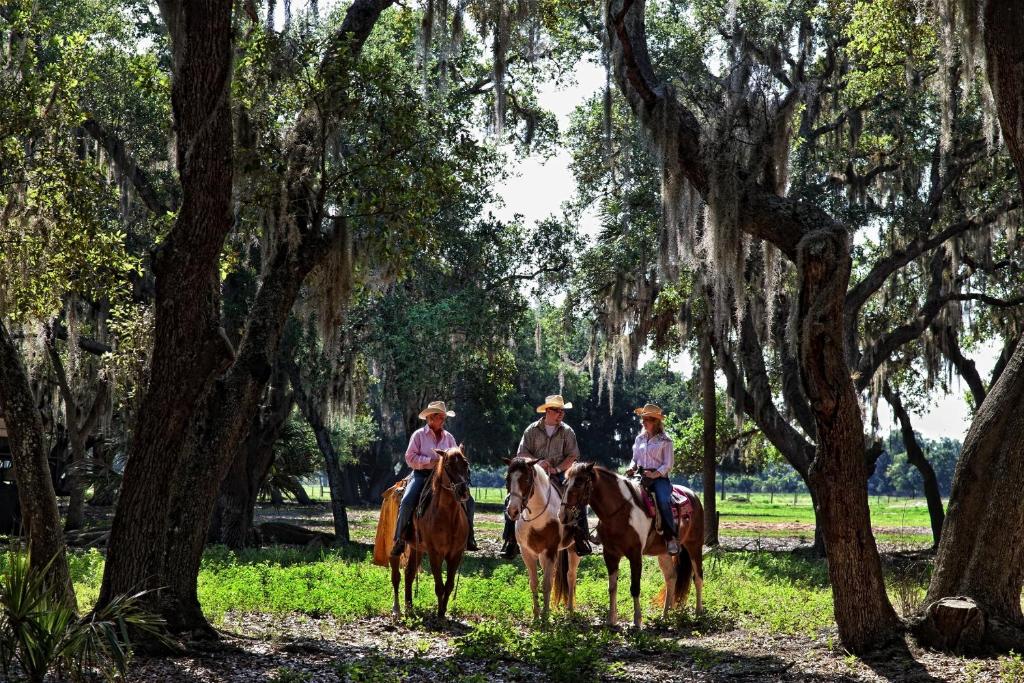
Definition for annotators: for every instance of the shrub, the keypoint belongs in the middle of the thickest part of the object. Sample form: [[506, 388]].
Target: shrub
[[43, 635]]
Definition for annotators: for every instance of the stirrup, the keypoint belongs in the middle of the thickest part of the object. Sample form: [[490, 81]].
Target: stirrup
[[673, 547]]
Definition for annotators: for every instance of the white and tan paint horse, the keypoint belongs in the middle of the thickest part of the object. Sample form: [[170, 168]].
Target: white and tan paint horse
[[533, 505]]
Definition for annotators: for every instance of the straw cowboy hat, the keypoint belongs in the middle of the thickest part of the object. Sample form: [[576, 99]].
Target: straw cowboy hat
[[436, 408], [650, 410], [554, 401]]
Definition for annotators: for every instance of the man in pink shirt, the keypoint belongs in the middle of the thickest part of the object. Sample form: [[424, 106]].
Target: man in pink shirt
[[420, 456]]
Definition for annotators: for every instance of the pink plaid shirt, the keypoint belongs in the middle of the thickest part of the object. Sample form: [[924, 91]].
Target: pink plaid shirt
[[420, 454]]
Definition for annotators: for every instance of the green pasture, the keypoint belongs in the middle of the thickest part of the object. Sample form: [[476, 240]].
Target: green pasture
[[894, 514]]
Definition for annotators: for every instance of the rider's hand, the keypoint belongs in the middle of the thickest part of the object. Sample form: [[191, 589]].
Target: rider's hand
[[631, 471], [652, 474], [547, 467]]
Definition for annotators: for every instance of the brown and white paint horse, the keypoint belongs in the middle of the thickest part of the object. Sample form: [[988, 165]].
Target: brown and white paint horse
[[625, 530], [440, 533], [533, 505]]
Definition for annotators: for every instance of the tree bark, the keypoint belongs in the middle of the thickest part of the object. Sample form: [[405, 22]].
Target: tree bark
[[232, 522], [710, 411], [820, 248], [189, 347], [916, 457], [39, 512], [981, 553]]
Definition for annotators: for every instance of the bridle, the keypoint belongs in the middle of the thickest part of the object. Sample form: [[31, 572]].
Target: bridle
[[586, 483], [454, 485], [525, 498]]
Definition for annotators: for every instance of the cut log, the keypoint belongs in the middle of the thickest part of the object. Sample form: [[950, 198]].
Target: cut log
[[292, 534], [952, 625]]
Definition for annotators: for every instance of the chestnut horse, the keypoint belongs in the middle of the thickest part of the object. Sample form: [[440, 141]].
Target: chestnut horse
[[626, 530], [533, 505], [440, 532]]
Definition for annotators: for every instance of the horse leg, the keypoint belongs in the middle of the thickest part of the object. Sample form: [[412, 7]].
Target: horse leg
[[435, 569], [574, 563], [612, 564], [412, 564], [668, 571], [635, 566], [697, 562], [396, 579], [452, 563], [530, 560], [547, 565]]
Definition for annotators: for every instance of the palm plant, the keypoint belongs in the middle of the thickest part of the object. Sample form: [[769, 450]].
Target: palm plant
[[42, 635]]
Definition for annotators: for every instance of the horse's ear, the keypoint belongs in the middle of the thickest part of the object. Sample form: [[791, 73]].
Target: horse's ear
[[441, 453], [507, 461], [462, 447], [589, 466]]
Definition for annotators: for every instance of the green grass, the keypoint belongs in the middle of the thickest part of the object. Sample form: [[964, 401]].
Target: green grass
[[757, 590]]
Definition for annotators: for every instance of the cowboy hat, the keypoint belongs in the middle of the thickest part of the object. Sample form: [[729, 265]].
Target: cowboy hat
[[650, 410], [436, 408], [554, 401]]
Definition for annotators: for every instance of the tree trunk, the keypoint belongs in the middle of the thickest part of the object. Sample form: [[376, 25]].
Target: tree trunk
[[981, 553], [332, 464], [189, 347], [916, 457], [39, 512], [710, 412], [234, 512], [837, 476]]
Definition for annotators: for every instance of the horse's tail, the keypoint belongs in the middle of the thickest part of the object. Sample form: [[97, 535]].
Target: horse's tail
[[684, 574], [561, 587]]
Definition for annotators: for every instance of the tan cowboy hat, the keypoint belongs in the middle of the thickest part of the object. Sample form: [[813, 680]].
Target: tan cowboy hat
[[554, 401], [650, 410], [436, 408]]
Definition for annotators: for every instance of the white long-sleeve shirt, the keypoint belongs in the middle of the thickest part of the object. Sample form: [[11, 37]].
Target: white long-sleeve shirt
[[653, 453]]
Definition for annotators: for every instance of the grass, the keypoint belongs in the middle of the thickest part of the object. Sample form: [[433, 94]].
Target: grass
[[756, 590]]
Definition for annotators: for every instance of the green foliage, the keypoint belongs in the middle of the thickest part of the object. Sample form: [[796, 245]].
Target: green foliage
[[889, 39], [1012, 668], [44, 636]]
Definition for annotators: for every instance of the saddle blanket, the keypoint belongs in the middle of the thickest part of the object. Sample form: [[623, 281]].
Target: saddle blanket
[[682, 508]]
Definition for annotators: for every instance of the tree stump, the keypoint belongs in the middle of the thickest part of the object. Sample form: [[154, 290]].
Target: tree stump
[[952, 625]]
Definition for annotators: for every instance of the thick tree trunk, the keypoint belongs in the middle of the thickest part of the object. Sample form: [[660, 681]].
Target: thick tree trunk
[[916, 457], [233, 517], [981, 553], [189, 348], [709, 409], [838, 477], [39, 512]]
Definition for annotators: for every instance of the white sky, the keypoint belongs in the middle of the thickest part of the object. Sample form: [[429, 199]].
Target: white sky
[[537, 188]]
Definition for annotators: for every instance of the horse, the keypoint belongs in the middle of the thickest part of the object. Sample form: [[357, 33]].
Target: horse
[[533, 505], [440, 531], [625, 530]]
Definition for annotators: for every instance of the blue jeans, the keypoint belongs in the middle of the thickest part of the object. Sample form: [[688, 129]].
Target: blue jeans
[[409, 500], [662, 490]]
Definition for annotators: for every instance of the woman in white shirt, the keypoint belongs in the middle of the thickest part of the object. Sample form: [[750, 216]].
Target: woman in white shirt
[[652, 455]]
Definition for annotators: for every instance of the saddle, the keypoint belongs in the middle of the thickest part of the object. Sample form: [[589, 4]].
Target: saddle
[[682, 508]]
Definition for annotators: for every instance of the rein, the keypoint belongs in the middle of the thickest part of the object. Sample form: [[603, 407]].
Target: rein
[[585, 499], [529, 494]]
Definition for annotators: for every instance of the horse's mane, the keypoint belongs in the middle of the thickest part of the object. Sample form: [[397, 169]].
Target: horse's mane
[[435, 480], [599, 470]]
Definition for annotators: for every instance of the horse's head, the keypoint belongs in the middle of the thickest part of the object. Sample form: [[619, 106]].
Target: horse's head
[[453, 465], [579, 484], [519, 480]]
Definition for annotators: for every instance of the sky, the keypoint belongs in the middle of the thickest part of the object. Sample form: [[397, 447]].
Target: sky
[[537, 187]]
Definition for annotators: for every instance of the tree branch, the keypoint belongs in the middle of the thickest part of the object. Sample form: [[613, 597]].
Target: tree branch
[[127, 166]]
